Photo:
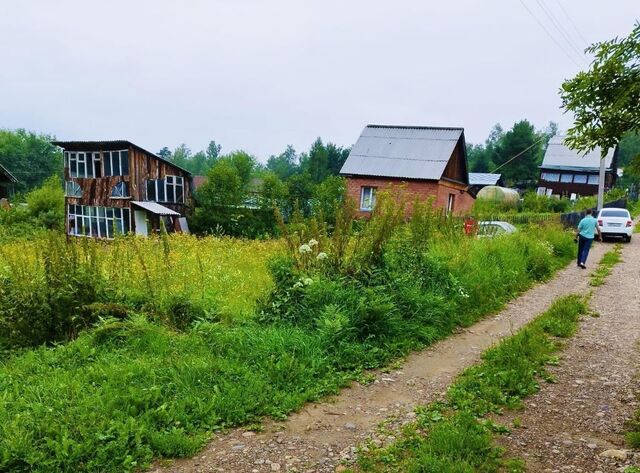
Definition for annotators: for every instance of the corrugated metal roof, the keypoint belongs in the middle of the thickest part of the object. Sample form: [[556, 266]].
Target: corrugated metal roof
[[110, 145], [5, 171], [402, 151], [155, 208], [560, 156], [483, 178]]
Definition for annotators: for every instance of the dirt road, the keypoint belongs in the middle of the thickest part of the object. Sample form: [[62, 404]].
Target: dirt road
[[320, 436], [568, 426]]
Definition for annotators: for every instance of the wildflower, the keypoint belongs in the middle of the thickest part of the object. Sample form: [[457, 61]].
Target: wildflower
[[307, 281], [313, 242], [322, 255], [297, 285], [304, 249]]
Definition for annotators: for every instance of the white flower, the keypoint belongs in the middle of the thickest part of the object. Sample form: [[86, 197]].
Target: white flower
[[322, 255], [307, 281], [313, 242], [304, 249]]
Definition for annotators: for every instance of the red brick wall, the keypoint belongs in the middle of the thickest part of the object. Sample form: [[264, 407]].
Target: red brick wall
[[410, 190]]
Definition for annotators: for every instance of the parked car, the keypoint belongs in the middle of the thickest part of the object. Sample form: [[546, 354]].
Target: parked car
[[615, 223], [492, 228]]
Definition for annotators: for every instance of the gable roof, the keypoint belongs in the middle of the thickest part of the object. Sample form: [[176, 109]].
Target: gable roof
[[410, 152], [560, 156], [5, 172], [484, 178], [111, 145]]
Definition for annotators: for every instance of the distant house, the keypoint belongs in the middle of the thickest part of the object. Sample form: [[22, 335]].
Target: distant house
[[118, 187], [7, 182], [480, 180], [426, 162], [564, 171]]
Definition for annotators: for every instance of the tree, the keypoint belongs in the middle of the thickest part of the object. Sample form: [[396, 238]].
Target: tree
[[273, 191], [244, 163], [316, 162], [300, 190], [224, 187], [521, 140], [30, 157], [604, 100], [337, 155], [181, 156], [327, 196], [479, 158], [165, 153], [285, 164], [213, 152]]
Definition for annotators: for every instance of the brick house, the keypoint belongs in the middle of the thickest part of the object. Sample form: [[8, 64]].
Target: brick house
[[565, 171], [116, 187], [421, 162]]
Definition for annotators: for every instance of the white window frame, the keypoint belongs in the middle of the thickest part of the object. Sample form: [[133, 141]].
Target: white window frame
[[593, 179], [72, 189], [90, 160], [175, 183], [117, 156], [451, 202], [367, 202], [565, 176], [113, 189], [90, 216], [577, 179], [551, 176]]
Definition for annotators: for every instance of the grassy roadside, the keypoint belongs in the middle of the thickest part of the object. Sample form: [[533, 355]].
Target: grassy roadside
[[132, 390], [454, 435], [606, 264]]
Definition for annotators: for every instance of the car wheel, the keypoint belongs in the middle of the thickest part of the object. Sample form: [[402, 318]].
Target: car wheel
[[628, 239]]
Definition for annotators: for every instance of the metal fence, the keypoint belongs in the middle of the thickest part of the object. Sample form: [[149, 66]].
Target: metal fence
[[571, 219]]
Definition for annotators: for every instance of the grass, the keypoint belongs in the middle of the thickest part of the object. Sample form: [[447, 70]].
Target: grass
[[454, 435], [131, 390], [605, 266]]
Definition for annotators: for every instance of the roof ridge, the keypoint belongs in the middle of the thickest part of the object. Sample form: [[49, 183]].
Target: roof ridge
[[416, 127]]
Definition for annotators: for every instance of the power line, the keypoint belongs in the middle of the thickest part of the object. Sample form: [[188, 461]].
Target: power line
[[519, 154], [549, 34], [558, 26], [575, 27]]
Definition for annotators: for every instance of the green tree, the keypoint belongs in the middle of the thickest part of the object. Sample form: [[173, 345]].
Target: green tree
[[604, 100], [336, 157], [224, 187], [46, 204], [300, 193], [30, 157], [479, 158], [327, 196], [316, 162], [213, 152], [285, 164], [165, 153], [273, 192], [181, 156], [244, 163], [522, 141]]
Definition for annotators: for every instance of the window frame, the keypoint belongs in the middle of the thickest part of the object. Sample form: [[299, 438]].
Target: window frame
[[120, 158], [371, 199], [565, 176], [577, 178], [124, 184], [451, 202], [593, 177], [77, 188], [98, 222], [163, 188], [549, 176]]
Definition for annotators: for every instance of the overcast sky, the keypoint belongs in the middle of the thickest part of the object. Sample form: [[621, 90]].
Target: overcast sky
[[259, 74]]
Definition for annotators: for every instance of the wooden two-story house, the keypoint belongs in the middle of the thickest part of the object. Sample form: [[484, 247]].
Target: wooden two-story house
[[114, 187]]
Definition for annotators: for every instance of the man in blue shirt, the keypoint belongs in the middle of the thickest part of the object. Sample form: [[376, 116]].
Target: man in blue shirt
[[587, 229]]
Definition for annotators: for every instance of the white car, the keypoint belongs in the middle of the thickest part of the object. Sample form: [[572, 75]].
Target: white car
[[615, 223], [492, 228]]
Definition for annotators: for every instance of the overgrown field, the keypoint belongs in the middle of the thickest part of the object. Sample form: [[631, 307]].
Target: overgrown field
[[184, 337]]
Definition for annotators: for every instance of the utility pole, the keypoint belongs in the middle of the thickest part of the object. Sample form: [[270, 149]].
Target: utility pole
[[601, 183]]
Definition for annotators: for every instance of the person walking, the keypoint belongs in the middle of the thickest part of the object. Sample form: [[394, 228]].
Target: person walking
[[587, 229]]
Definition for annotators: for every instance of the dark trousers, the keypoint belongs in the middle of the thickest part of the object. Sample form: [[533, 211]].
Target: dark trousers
[[584, 245]]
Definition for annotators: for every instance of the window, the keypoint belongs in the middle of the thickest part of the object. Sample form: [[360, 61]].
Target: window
[[72, 189], [451, 203], [551, 176], [594, 179], [170, 190], [580, 179], [116, 163], [99, 222], [367, 198], [120, 190], [566, 178], [83, 164], [614, 213]]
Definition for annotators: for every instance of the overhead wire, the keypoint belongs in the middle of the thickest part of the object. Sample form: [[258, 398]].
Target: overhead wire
[[560, 28], [553, 38], [538, 141], [573, 24]]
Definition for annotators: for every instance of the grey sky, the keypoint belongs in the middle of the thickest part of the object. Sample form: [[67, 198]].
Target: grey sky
[[257, 74]]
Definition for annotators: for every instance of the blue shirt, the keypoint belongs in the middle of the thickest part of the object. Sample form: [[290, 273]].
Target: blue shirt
[[587, 227]]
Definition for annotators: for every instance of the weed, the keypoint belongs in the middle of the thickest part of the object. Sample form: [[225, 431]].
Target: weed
[[605, 266]]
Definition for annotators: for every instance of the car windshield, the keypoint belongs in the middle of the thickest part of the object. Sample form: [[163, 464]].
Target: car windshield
[[614, 213]]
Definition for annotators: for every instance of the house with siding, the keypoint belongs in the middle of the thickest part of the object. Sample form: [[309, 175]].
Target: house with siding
[[117, 187], [565, 171], [7, 183], [419, 161]]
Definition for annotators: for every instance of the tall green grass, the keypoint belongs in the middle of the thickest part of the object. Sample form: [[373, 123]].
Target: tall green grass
[[134, 389], [453, 435]]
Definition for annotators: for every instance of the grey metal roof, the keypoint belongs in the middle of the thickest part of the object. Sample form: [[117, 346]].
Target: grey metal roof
[[402, 151], [5, 171], [560, 156], [483, 178], [155, 208]]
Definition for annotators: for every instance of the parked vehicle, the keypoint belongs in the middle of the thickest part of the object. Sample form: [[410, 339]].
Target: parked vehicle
[[616, 223], [492, 228]]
